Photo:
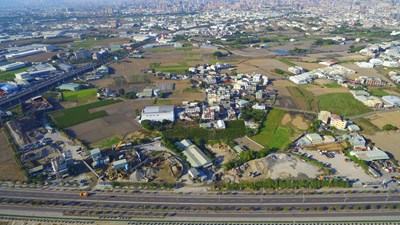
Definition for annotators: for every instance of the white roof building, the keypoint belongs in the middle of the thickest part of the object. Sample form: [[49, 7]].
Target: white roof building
[[391, 100], [158, 113]]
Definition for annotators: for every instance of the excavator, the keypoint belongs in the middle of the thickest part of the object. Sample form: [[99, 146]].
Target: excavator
[[120, 143]]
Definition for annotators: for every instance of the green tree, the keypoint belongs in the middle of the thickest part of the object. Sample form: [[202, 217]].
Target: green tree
[[121, 92], [389, 127], [147, 124], [218, 54]]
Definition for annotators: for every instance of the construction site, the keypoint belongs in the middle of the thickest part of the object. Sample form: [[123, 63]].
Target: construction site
[[139, 164]]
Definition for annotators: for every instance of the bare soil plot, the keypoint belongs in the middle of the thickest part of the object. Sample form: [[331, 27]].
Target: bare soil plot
[[250, 144], [296, 121], [282, 83], [42, 57], [309, 66], [387, 141], [279, 166], [327, 147], [263, 66], [382, 118], [181, 92], [8, 166], [121, 120]]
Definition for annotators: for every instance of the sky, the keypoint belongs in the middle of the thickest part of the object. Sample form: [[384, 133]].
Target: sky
[[41, 3]]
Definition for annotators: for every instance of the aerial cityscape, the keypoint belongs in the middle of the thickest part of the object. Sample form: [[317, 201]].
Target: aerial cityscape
[[200, 112]]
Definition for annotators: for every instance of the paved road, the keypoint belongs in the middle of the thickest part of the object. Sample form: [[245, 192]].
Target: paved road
[[201, 201], [229, 207]]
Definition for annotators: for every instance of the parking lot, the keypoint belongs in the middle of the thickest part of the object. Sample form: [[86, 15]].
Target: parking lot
[[347, 169]]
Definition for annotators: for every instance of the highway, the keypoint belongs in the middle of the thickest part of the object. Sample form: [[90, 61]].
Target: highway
[[243, 206]]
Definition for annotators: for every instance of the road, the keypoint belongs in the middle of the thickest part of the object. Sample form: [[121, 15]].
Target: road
[[372, 113], [192, 206]]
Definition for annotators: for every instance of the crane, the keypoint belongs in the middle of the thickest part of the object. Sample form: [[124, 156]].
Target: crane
[[120, 143]]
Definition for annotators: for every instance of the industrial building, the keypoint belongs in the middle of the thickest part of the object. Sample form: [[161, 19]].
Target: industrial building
[[301, 79], [370, 155], [195, 156], [23, 54], [158, 113], [14, 66]]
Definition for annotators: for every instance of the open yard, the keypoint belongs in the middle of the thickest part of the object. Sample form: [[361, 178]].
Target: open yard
[[73, 116], [248, 143], [234, 129], [342, 104], [380, 119], [8, 166]]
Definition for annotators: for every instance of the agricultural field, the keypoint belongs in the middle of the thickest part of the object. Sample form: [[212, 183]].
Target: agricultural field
[[379, 92], [304, 99], [81, 97], [8, 166], [106, 143], [342, 104], [322, 86], [120, 120], [281, 127], [73, 116]]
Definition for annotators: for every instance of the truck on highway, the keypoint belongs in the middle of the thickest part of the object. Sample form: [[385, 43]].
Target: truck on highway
[[84, 194]]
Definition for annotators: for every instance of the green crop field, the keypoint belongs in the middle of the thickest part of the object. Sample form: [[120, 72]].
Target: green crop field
[[274, 118], [342, 104], [287, 62], [81, 97], [281, 138], [73, 116], [333, 85], [10, 75], [162, 102], [378, 92]]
